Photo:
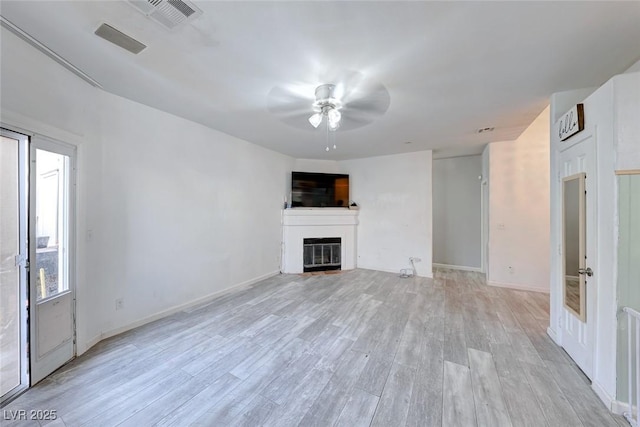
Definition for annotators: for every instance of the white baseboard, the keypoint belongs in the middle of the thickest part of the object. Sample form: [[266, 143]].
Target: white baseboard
[[457, 267], [518, 287], [175, 309], [618, 407], [394, 271], [553, 335], [83, 347], [603, 395]]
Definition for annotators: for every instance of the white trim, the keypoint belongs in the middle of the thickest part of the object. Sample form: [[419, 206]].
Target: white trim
[[391, 271], [484, 226], [457, 267], [554, 336], [518, 287], [570, 142], [171, 310], [618, 407], [31, 127], [82, 347], [604, 396]]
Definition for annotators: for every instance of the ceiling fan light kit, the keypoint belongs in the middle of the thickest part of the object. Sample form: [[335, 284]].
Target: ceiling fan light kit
[[315, 120], [326, 105]]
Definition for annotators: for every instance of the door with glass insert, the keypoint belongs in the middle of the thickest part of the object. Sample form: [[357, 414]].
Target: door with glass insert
[[51, 286], [13, 264]]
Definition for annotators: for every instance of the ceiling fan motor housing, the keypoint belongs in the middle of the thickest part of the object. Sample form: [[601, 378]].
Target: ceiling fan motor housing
[[325, 98]]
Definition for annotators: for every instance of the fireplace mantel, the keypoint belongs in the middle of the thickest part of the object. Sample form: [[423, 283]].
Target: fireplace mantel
[[301, 223]]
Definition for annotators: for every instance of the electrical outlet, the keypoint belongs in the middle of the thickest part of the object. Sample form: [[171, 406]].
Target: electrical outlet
[[119, 304], [511, 270]]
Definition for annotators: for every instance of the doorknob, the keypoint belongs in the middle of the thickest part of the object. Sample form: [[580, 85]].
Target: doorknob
[[588, 271]]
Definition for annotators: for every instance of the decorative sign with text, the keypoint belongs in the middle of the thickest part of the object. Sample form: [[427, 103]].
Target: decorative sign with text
[[571, 122]]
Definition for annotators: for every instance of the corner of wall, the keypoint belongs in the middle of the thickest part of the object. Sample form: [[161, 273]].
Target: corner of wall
[[634, 68]]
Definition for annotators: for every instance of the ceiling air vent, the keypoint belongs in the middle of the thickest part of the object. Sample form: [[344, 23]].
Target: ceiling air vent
[[484, 130], [119, 38], [169, 13]]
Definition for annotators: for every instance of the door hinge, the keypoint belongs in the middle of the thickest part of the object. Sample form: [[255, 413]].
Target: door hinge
[[22, 261]]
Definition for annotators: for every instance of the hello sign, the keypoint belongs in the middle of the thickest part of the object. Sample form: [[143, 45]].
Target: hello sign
[[571, 122]]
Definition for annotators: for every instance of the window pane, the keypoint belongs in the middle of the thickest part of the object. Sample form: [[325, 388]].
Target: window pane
[[51, 223]]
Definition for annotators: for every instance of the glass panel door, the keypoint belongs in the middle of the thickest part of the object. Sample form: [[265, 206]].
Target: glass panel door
[[51, 233], [13, 288]]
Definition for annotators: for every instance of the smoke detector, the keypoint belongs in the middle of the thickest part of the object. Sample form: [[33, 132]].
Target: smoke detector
[[170, 14]]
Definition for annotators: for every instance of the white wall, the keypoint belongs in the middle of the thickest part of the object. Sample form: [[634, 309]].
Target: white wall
[[394, 195], [169, 211], [627, 121], [634, 68], [457, 211], [519, 209]]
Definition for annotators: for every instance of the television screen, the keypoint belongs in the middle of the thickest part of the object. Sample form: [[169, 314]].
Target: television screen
[[319, 190]]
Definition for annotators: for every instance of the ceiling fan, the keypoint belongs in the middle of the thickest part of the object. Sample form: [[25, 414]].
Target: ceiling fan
[[347, 101]]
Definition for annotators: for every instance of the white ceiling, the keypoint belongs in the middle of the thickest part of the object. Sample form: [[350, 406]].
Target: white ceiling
[[449, 67]]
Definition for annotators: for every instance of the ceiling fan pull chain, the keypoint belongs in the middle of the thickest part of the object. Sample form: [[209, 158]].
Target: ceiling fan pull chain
[[327, 128]]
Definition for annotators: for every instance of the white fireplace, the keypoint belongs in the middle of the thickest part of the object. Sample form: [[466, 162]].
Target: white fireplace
[[317, 223]]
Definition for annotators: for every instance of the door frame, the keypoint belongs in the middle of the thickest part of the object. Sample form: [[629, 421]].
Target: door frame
[[39, 142], [23, 230]]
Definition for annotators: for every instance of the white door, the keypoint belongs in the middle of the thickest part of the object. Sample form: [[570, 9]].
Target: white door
[[578, 198], [13, 264], [52, 299]]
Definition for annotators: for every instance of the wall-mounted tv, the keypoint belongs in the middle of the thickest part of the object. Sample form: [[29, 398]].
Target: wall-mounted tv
[[319, 190]]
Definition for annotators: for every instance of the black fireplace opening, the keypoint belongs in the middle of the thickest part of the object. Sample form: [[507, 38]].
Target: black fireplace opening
[[322, 254]]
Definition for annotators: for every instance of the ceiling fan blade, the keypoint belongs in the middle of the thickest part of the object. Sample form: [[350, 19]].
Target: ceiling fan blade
[[281, 101], [353, 123], [375, 100]]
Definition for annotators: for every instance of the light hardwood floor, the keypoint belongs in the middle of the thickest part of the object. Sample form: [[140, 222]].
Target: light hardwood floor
[[359, 348]]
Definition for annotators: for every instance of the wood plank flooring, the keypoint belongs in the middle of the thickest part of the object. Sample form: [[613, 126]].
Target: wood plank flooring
[[359, 348]]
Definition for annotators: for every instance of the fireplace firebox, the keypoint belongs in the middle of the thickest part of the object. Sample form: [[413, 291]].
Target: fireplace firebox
[[322, 254]]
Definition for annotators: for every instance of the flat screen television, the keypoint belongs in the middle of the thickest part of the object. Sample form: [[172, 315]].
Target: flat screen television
[[319, 190]]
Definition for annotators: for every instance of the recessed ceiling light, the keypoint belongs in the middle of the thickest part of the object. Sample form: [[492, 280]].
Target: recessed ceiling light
[[483, 130]]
